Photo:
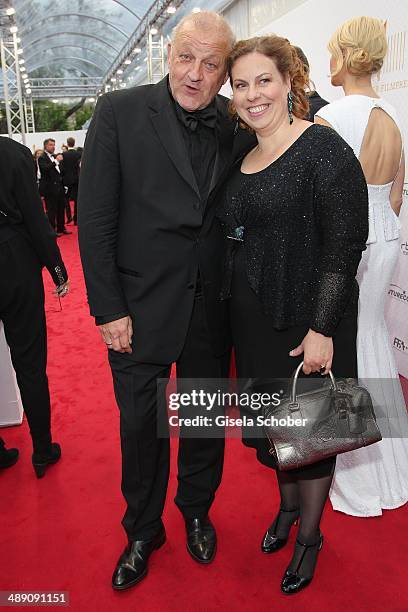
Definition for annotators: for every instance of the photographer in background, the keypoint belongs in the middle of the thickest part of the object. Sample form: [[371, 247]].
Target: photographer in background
[[27, 243]]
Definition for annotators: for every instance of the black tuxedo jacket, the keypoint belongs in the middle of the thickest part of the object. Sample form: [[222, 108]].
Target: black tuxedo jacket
[[21, 208], [51, 179], [143, 231], [70, 167]]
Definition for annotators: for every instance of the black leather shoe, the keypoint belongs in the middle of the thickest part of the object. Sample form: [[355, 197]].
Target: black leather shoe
[[42, 460], [201, 539], [271, 542], [293, 582], [8, 456], [133, 563]]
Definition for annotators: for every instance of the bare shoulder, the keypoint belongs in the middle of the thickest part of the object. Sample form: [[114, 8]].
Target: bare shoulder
[[321, 121]]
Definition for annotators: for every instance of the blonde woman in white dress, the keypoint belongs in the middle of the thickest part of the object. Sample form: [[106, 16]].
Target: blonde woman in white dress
[[370, 480]]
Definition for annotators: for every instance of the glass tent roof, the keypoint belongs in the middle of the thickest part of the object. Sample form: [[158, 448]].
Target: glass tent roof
[[72, 49], [77, 38]]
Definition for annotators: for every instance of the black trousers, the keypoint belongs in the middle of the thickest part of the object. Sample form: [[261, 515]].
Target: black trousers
[[68, 212], [23, 316], [73, 195], [145, 455], [55, 206]]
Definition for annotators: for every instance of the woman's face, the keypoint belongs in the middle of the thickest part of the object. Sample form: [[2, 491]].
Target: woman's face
[[259, 91]]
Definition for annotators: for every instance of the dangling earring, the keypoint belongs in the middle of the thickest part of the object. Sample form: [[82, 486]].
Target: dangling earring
[[290, 107]]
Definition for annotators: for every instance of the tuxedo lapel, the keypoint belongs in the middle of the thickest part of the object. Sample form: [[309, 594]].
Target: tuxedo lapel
[[167, 127], [225, 130]]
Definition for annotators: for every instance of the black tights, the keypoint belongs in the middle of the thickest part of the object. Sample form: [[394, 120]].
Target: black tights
[[305, 491]]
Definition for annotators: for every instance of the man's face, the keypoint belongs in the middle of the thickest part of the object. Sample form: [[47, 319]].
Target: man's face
[[197, 68], [50, 146]]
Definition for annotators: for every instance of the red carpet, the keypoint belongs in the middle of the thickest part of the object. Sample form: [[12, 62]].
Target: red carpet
[[63, 533]]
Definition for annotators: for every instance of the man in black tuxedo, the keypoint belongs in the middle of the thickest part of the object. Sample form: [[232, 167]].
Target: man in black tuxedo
[[70, 173], [51, 186], [152, 256]]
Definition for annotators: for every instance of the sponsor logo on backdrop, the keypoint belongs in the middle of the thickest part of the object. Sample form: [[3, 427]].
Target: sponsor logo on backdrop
[[400, 345], [398, 293], [404, 248], [394, 62], [395, 58]]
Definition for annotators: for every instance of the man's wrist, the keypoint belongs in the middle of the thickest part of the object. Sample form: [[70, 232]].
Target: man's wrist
[[102, 320]]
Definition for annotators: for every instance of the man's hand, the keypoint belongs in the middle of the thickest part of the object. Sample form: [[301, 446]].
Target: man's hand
[[117, 335], [318, 353]]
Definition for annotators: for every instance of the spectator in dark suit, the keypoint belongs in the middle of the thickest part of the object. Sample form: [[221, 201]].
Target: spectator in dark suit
[[51, 186], [27, 243], [70, 173], [316, 102]]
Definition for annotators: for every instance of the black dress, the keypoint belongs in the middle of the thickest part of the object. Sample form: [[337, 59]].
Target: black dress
[[295, 232], [316, 102]]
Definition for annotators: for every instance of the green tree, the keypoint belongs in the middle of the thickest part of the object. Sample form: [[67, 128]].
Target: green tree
[[50, 117], [82, 115], [56, 117]]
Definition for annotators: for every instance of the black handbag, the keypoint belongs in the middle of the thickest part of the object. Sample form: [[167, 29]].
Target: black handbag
[[333, 419]]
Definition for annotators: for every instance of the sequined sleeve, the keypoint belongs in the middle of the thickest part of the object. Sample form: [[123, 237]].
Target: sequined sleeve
[[341, 208]]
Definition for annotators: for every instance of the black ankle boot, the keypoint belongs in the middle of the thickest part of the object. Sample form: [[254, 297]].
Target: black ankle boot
[[8, 456], [272, 542], [42, 460], [295, 581]]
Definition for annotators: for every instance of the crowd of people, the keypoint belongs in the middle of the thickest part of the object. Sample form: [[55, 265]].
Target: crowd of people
[[241, 224], [58, 178]]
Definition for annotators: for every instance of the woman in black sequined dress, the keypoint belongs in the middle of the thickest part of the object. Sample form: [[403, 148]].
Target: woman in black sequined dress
[[295, 215]]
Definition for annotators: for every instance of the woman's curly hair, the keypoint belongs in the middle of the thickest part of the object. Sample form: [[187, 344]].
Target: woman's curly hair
[[287, 62]]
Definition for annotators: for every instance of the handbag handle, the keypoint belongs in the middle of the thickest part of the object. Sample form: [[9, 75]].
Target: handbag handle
[[293, 396]]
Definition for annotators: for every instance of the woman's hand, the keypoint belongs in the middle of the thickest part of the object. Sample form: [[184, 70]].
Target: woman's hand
[[317, 352], [62, 290]]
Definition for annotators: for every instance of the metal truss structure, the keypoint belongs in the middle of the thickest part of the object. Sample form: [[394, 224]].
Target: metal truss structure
[[155, 57], [29, 115], [13, 96], [67, 87]]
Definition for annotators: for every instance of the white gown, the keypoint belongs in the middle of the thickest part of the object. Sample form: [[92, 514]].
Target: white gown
[[374, 478]]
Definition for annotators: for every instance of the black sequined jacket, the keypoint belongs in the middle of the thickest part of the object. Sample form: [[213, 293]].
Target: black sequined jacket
[[303, 221]]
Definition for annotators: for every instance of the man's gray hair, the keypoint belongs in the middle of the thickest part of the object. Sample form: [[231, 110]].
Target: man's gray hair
[[206, 21]]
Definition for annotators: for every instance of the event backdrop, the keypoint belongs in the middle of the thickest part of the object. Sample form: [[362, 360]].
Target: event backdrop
[[35, 141]]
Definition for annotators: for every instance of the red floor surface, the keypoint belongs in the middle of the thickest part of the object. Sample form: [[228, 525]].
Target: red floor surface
[[63, 533]]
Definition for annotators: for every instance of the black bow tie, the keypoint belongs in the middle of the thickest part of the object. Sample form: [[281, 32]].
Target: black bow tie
[[207, 117]]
